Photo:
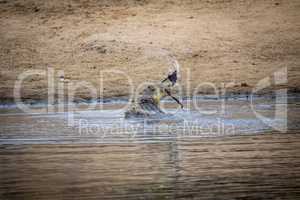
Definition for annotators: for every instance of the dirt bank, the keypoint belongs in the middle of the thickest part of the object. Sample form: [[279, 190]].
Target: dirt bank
[[218, 41]]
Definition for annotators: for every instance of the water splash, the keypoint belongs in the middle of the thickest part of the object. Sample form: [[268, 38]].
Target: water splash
[[172, 62]]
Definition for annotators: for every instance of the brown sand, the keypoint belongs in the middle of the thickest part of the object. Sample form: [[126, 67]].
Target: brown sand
[[218, 41]]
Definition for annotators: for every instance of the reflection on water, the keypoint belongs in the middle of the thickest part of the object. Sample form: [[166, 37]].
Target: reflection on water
[[41, 157], [257, 167]]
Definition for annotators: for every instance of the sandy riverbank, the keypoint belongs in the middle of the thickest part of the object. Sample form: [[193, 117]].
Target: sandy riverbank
[[215, 41]]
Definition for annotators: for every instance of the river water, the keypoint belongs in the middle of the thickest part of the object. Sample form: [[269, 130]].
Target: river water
[[213, 149]]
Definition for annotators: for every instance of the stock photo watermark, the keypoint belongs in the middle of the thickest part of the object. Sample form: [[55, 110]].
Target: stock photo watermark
[[62, 91]]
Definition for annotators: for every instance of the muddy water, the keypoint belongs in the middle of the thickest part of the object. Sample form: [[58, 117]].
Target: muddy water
[[207, 153]]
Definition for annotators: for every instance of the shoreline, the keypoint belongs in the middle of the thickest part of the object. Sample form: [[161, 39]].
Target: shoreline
[[125, 99]]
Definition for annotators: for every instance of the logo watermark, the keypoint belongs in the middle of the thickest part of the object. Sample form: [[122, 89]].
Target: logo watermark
[[63, 91]]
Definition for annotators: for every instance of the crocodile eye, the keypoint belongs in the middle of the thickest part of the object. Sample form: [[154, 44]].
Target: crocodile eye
[[151, 88]]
